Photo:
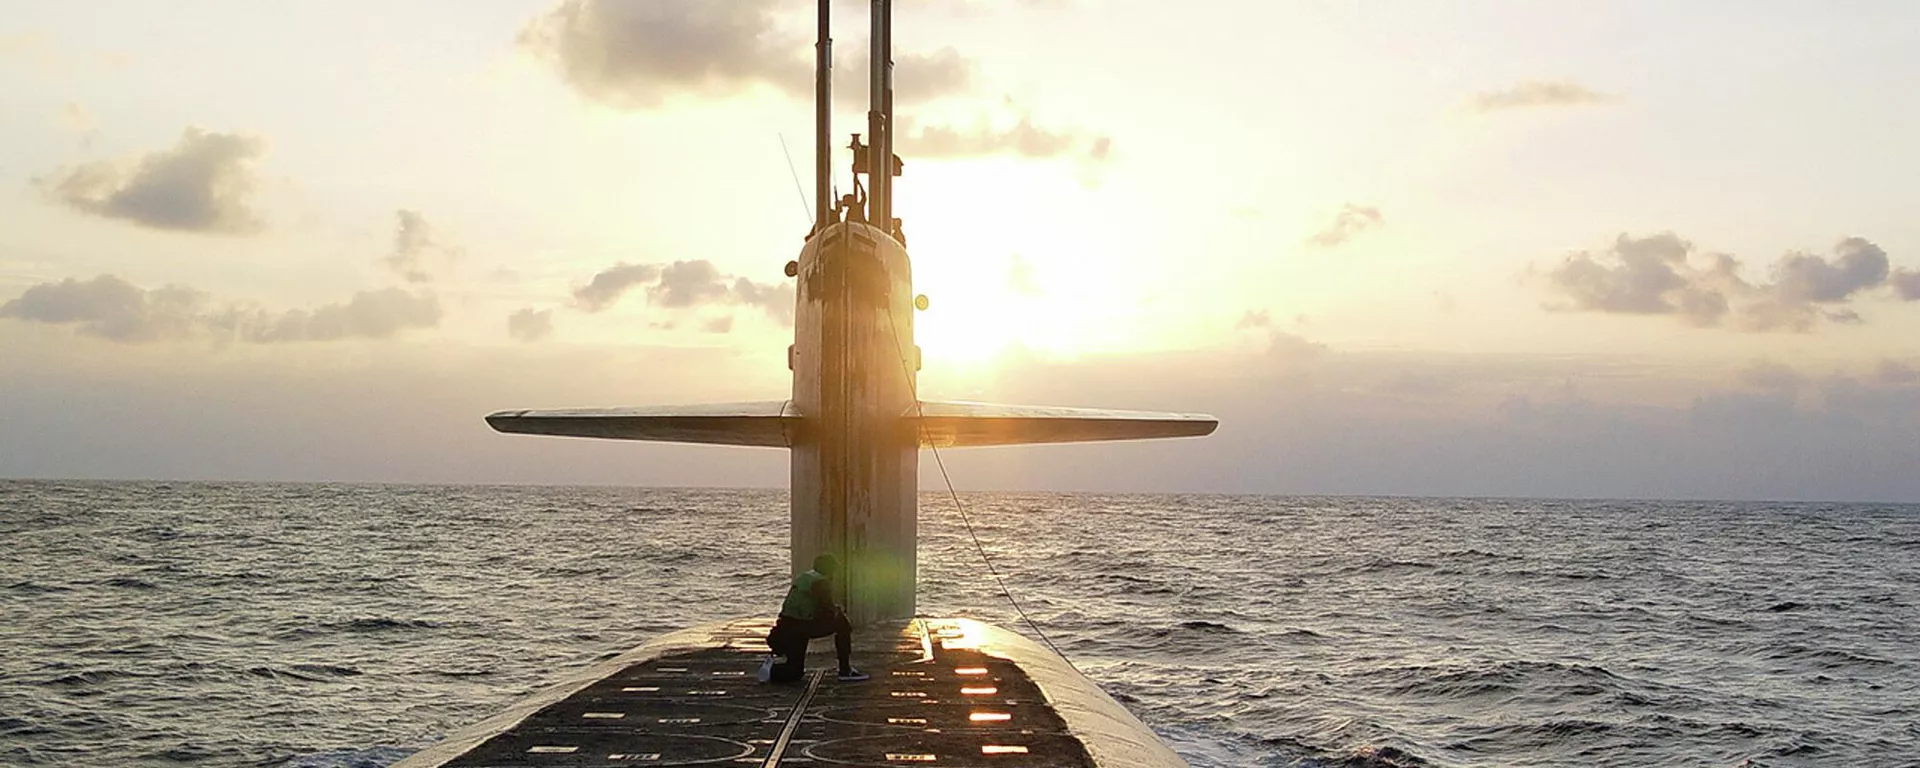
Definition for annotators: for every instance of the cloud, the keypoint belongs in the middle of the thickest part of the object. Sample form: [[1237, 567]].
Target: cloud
[[202, 184], [688, 283], [1254, 319], [1368, 421], [1023, 139], [413, 243], [721, 324], [111, 308], [636, 54], [606, 287], [683, 285], [775, 300], [918, 78], [1352, 220], [1802, 281], [1656, 275], [1537, 93], [378, 314], [1906, 284], [530, 326]]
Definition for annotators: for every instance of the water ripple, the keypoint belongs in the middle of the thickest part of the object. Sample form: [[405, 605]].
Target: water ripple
[[337, 626]]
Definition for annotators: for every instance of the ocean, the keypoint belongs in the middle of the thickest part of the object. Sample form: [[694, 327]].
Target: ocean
[[347, 625]]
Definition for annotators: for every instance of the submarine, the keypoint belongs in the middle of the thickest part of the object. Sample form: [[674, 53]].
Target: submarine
[[943, 691]]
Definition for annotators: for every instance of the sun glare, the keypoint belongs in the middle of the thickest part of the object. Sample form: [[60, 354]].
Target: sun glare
[[1006, 269]]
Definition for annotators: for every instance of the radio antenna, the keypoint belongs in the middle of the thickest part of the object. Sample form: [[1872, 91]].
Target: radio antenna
[[823, 119]]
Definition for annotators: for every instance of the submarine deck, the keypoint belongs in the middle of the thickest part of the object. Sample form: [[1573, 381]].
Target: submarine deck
[[943, 692]]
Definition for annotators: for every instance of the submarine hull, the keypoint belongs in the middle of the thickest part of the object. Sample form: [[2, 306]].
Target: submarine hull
[[951, 692]]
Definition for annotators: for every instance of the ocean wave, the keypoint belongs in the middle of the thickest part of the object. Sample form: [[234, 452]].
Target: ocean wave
[[1388, 564], [1279, 633], [312, 673], [89, 678], [36, 588], [382, 624]]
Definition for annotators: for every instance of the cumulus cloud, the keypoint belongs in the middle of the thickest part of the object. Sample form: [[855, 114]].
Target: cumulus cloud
[[202, 184], [111, 308], [629, 54], [635, 54], [611, 283], [1658, 275], [683, 285], [529, 325], [688, 283], [776, 300], [1351, 221], [1906, 284], [1537, 93], [1254, 319], [414, 243]]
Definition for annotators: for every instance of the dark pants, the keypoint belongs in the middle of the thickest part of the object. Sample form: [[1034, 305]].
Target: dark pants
[[789, 639]]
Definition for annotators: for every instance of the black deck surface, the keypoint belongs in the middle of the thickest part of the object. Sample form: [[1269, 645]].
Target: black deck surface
[[926, 705]]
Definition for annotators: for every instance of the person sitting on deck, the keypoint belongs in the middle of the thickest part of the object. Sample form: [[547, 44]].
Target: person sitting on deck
[[809, 612]]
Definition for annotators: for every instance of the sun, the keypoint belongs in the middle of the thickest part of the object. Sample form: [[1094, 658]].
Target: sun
[[1015, 263]]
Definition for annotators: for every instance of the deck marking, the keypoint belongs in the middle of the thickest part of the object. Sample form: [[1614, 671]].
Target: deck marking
[[926, 642], [793, 720], [552, 750]]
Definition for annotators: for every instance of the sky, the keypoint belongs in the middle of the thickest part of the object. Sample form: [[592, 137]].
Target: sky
[[1625, 249]]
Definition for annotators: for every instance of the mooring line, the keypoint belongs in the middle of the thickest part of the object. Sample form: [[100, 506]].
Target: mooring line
[[793, 720]]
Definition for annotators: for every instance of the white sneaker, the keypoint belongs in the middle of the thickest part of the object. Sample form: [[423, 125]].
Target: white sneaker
[[766, 670]]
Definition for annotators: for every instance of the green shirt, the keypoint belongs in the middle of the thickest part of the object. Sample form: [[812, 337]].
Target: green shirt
[[800, 603]]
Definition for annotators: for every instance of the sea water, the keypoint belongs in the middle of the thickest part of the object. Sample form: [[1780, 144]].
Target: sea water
[[348, 625]]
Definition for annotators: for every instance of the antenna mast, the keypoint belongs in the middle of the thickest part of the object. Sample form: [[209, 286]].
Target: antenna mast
[[880, 119], [823, 120]]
